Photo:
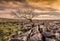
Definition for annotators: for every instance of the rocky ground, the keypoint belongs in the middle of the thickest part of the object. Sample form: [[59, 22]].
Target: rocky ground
[[39, 31]]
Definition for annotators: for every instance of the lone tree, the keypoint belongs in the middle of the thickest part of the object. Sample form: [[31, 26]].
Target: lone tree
[[22, 13]]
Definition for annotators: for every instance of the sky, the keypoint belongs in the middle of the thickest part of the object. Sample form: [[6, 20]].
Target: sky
[[34, 3], [41, 6]]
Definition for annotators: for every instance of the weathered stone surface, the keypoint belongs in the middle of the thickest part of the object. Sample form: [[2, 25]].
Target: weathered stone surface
[[36, 37], [40, 32], [57, 36], [49, 39]]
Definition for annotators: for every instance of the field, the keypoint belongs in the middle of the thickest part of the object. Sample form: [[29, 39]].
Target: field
[[8, 30], [11, 30]]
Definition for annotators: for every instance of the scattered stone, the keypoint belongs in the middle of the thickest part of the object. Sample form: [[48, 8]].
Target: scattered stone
[[36, 32]]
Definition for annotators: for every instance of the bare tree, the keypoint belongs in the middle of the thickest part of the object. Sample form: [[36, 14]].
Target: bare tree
[[24, 13]]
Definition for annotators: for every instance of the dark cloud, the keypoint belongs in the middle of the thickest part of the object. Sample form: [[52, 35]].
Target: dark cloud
[[20, 0], [13, 0]]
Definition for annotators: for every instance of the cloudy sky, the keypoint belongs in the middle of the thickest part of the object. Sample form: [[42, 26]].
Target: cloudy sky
[[39, 5]]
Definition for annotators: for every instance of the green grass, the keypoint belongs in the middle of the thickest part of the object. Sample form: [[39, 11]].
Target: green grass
[[7, 31]]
